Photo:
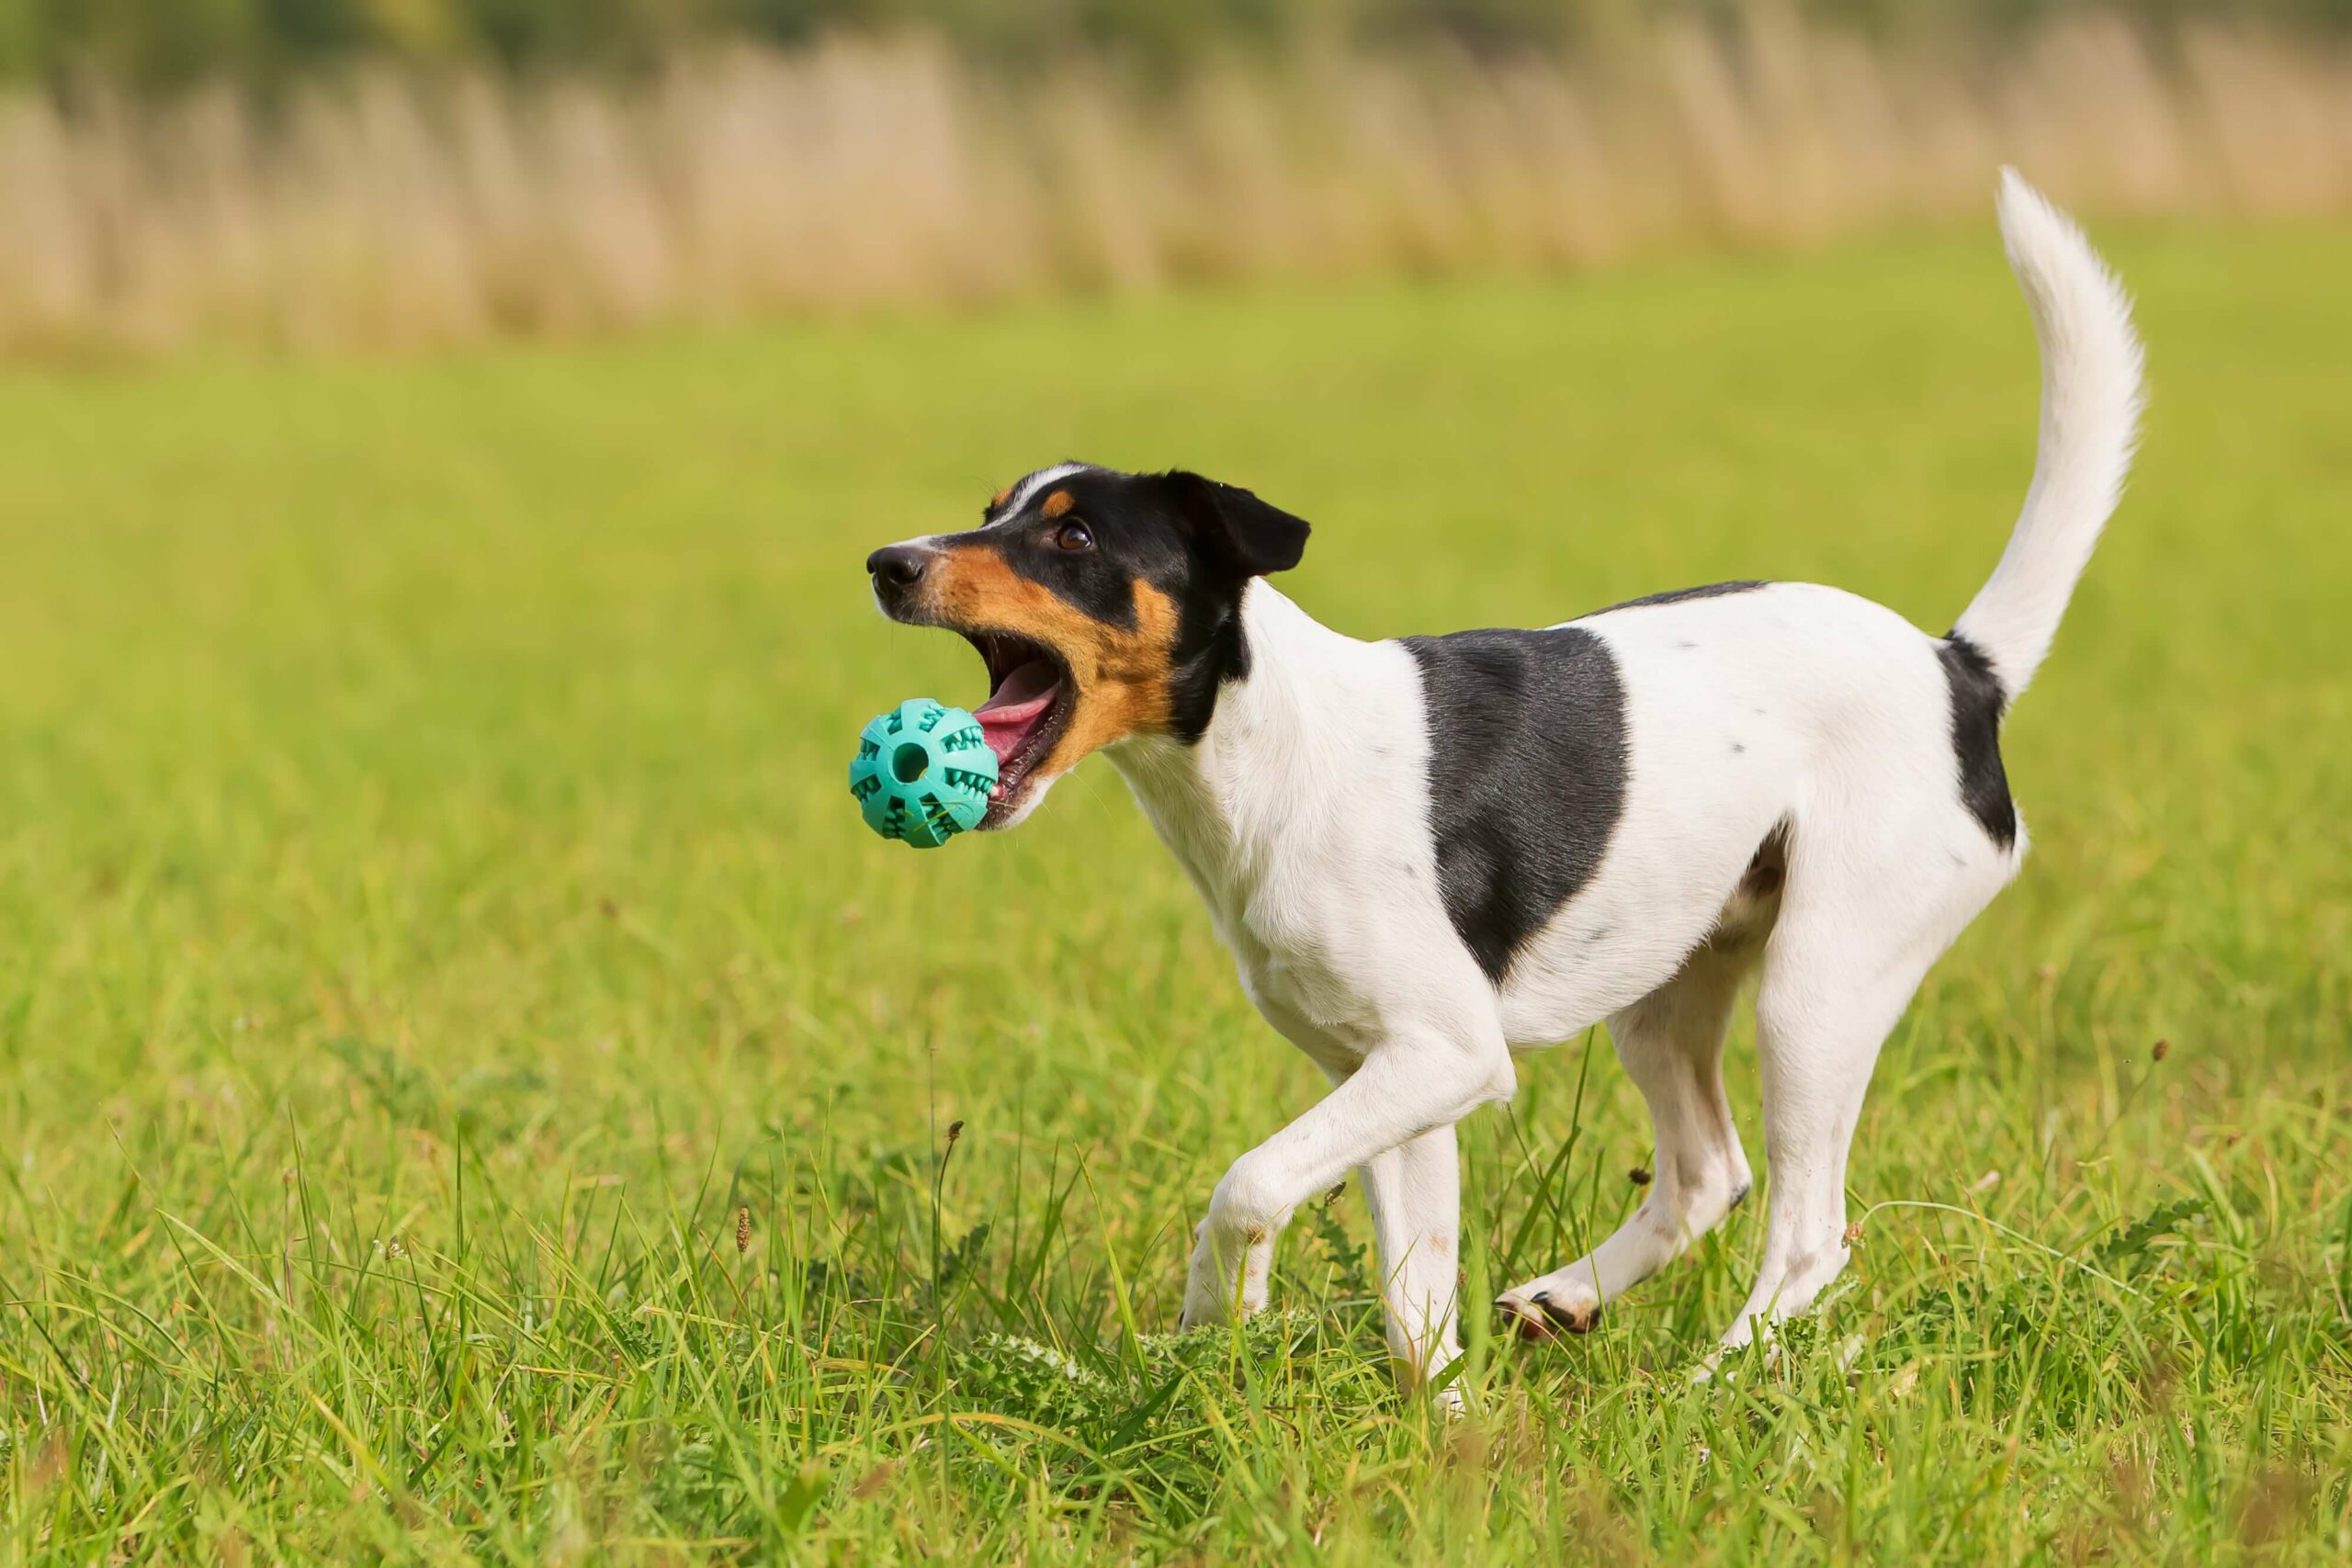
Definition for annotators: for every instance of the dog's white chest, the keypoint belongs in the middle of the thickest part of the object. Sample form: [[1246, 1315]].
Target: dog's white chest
[[1276, 908], [1306, 827], [1300, 965]]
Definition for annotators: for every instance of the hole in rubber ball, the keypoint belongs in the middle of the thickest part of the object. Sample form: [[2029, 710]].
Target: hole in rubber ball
[[909, 762]]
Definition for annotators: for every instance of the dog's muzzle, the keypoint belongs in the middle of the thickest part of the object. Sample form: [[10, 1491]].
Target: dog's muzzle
[[898, 572]]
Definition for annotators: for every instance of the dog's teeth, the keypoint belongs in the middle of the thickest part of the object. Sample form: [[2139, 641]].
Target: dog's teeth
[[996, 792]]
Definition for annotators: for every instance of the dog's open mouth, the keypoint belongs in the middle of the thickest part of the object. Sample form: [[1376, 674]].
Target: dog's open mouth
[[1030, 698]]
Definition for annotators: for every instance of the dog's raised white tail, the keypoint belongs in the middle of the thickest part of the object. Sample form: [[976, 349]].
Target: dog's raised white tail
[[2090, 415]]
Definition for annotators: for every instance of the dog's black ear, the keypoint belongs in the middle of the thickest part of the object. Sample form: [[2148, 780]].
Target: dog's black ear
[[1245, 533]]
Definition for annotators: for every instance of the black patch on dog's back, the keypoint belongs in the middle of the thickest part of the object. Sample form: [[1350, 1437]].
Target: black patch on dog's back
[[1977, 701], [1527, 776], [1677, 595]]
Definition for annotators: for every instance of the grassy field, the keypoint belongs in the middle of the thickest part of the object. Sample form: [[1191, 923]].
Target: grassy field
[[471, 1090]]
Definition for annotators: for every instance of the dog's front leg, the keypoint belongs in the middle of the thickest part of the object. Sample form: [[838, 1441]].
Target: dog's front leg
[[1413, 1084], [1415, 1194]]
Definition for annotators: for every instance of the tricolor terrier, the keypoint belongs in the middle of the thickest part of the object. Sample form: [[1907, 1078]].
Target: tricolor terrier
[[1431, 853]]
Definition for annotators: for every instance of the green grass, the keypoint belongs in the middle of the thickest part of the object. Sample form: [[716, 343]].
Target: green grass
[[430, 910]]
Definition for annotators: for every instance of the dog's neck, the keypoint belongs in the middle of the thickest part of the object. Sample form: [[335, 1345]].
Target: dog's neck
[[1257, 770]]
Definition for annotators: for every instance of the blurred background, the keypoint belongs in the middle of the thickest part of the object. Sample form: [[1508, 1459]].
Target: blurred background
[[471, 1090], [397, 172]]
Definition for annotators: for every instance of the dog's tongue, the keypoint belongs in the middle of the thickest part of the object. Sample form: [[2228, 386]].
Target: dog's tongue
[[1017, 706]]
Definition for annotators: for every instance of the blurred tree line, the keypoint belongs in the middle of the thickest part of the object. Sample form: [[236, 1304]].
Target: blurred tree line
[[162, 43]]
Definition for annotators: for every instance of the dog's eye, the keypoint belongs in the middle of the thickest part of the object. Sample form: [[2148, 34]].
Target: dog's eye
[[1074, 536]]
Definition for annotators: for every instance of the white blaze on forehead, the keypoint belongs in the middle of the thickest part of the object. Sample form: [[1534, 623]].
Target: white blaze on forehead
[[1020, 494]]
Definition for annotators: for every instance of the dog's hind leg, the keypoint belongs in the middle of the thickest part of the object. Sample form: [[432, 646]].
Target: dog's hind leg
[[1860, 932], [1671, 1043], [1819, 1026]]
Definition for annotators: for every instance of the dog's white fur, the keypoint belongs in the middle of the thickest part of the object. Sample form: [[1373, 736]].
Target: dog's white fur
[[1303, 817]]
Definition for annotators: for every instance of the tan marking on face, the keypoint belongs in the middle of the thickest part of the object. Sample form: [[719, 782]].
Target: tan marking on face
[[1121, 672], [1000, 498], [1058, 503]]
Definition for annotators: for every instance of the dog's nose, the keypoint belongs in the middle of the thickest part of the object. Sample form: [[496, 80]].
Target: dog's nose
[[897, 566]]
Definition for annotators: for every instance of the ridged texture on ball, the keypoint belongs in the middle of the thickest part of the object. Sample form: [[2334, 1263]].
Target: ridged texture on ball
[[923, 773]]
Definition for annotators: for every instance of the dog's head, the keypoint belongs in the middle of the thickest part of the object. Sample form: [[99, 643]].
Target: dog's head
[[1105, 605]]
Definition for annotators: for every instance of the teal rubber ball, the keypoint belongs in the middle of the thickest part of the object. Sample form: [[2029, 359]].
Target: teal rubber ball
[[923, 773]]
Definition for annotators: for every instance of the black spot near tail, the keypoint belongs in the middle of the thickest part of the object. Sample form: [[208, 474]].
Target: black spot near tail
[[1977, 703]]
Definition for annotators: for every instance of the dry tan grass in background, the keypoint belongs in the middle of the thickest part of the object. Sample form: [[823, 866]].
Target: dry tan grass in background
[[398, 210]]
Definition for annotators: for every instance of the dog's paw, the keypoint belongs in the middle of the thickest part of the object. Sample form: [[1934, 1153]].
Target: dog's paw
[[1547, 1311], [1209, 1301], [1201, 1310]]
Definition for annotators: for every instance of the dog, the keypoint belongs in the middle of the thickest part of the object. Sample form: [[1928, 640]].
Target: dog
[[1432, 854]]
